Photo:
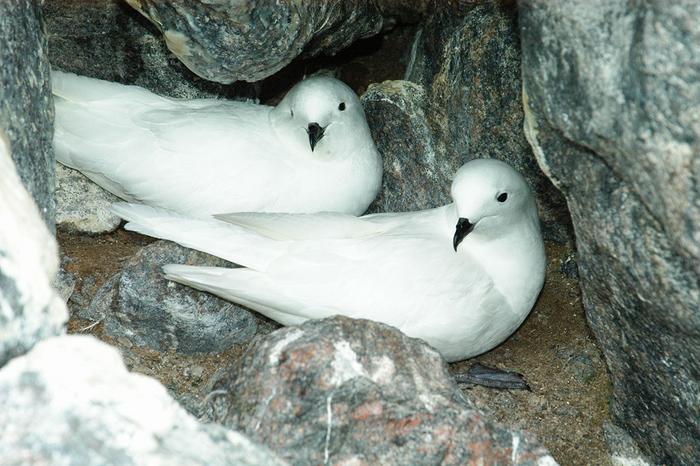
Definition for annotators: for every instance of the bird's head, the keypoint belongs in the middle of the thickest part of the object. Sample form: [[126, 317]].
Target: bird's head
[[318, 114], [490, 198]]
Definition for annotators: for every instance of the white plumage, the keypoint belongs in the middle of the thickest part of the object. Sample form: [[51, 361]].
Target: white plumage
[[313, 152], [462, 277]]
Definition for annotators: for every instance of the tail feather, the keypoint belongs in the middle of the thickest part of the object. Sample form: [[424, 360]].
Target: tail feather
[[208, 235], [243, 286]]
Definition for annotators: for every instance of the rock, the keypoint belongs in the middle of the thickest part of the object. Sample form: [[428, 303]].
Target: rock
[[139, 304], [81, 205], [64, 284], [623, 450], [569, 267], [71, 401], [417, 173], [233, 40], [26, 108], [108, 40], [29, 307], [612, 94], [579, 364], [344, 391], [82, 297], [466, 57]]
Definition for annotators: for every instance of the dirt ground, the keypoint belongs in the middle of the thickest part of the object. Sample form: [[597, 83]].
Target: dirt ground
[[554, 348]]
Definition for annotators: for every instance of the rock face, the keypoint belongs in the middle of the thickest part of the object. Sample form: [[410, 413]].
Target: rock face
[[26, 108], [417, 172], [231, 40], [344, 391], [72, 401], [30, 309], [139, 304], [465, 104], [612, 104], [81, 205], [108, 40]]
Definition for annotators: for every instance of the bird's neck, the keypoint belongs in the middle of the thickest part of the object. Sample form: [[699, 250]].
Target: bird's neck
[[515, 260]]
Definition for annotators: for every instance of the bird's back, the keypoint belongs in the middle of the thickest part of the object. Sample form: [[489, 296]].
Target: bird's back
[[156, 150]]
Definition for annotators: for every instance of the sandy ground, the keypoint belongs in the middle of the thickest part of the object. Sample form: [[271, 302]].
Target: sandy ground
[[554, 348]]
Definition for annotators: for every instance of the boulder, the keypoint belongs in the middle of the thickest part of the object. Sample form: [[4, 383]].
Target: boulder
[[612, 98], [345, 391], [26, 107], [138, 304], [232, 40], [417, 171], [81, 205], [107, 39], [71, 401], [465, 103], [30, 309]]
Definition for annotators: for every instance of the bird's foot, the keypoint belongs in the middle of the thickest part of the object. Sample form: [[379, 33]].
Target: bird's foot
[[479, 374]]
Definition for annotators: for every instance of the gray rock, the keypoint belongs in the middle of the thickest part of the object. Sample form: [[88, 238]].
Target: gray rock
[[71, 401], [107, 39], [139, 304], [81, 299], [26, 107], [231, 40], [345, 391], [417, 173], [612, 97], [81, 205], [467, 59], [64, 283], [623, 450], [30, 309]]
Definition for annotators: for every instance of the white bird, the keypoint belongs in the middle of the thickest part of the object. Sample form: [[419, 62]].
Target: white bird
[[462, 277], [313, 152]]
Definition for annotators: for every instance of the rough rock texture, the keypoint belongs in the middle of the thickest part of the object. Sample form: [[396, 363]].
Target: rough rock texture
[[417, 172], [344, 391], [72, 401], [30, 309], [81, 205], [623, 450], [612, 96], [107, 39], [231, 40], [139, 304], [26, 108], [467, 60]]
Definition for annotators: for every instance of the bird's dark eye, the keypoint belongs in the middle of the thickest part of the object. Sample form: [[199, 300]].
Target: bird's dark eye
[[502, 197], [291, 112], [341, 107]]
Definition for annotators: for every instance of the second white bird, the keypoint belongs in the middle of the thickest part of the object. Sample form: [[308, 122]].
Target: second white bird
[[462, 277], [313, 152]]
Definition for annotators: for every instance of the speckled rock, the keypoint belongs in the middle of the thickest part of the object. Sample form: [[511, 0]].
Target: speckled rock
[[30, 309], [26, 108], [231, 40], [140, 305], [107, 39], [344, 391], [612, 97], [71, 401], [467, 59], [64, 284], [81, 205], [623, 450], [417, 170]]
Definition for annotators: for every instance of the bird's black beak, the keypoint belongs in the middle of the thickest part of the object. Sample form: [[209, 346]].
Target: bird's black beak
[[464, 227], [315, 134]]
